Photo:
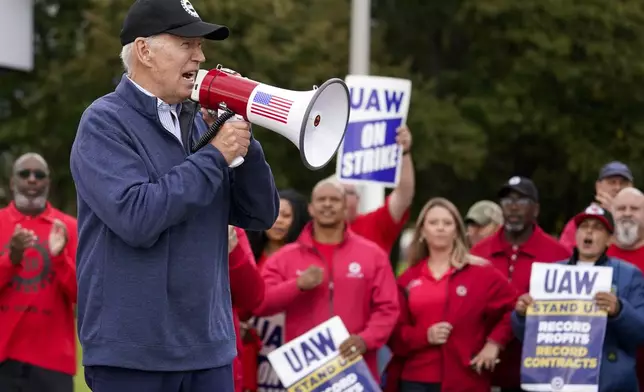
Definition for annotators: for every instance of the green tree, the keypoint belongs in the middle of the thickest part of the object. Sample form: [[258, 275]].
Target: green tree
[[554, 88]]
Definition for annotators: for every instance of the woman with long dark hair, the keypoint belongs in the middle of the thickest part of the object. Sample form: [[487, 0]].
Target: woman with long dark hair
[[292, 218]]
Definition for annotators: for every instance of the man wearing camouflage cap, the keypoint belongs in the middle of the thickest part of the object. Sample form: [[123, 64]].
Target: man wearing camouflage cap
[[483, 219]]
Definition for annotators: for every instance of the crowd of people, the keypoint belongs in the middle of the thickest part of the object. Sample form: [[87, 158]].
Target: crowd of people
[[173, 253], [453, 320]]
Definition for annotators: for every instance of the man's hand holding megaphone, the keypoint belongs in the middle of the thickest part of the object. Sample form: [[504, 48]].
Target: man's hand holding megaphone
[[233, 137]]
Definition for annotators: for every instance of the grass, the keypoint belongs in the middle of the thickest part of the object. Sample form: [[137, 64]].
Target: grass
[[79, 379]]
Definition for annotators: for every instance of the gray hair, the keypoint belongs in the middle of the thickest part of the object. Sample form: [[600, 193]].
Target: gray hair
[[126, 52], [27, 156]]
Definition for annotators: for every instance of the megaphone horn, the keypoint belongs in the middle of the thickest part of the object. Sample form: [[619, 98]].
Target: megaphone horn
[[315, 121]]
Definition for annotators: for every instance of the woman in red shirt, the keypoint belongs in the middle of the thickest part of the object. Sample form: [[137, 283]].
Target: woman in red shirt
[[292, 218], [455, 310]]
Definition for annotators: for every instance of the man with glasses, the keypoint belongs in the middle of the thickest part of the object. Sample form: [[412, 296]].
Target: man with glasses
[[37, 285], [513, 250]]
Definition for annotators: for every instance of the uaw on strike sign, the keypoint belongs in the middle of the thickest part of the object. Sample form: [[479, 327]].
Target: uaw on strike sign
[[564, 330], [369, 153], [312, 362]]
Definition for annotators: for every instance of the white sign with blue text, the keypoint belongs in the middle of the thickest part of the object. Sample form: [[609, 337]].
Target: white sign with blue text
[[369, 153], [312, 362]]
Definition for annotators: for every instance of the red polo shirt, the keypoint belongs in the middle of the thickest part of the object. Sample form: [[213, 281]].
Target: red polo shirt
[[378, 226], [515, 262], [426, 299]]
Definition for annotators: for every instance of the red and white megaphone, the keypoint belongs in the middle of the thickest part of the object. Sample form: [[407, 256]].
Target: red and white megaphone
[[315, 121]]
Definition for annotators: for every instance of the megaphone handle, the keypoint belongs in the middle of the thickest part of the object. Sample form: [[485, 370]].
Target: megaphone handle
[[239, 160], [236, 162]]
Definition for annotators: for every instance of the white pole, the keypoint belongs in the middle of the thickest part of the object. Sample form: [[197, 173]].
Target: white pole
[[371, 196]]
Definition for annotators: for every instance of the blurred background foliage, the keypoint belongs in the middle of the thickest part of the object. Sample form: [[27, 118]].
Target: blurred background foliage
[[545, 88]]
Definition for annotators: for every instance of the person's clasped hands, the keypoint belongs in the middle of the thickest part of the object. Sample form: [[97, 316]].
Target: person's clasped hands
[[21, 239]]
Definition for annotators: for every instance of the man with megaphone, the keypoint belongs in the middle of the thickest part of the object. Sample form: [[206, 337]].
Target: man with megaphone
[[154, 303]]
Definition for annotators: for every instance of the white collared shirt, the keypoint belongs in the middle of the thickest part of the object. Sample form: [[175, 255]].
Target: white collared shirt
[[168, 114]]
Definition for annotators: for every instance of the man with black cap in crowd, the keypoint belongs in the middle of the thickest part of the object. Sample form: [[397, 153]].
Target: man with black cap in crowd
[[613, 177], [483, 219], [513, 250], [624, 305], [154, 305]]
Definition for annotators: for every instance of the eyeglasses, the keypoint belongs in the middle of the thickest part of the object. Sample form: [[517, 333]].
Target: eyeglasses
[[521, 201], [26, 173]]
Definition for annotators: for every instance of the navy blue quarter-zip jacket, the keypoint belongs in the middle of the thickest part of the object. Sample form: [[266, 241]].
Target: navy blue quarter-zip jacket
[[152, 259]]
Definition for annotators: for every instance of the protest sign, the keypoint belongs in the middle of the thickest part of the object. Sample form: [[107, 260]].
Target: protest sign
[[271, 332], [564, 329], [369, 153], [312, 363]]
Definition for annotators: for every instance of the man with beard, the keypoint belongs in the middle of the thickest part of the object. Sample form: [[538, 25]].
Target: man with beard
[[37, 286], [628, 241], [613, 177], [624, 304], [513, 250], [331, 271]]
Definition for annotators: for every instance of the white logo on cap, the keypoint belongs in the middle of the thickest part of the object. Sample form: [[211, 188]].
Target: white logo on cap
[[189, 8], [514, 180], [594, 210]]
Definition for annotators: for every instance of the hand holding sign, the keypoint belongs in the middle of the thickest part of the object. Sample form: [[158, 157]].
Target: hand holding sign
[[438, 333], [403, 138], [608, 302], [522, 304], [311, 278], [353, 347]]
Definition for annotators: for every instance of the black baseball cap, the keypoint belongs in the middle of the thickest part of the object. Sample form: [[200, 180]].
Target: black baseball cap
[[146, 18], [521, 185], [596, 212]]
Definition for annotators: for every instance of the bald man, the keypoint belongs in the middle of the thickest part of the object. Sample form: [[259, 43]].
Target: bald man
[[37, 285], [330, 271], [628, 241]]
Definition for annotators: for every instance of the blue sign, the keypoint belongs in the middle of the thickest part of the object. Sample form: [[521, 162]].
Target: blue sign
[[369, 152], [564, 330]]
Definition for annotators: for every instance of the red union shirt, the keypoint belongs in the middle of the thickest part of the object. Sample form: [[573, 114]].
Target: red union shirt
[[379, 227], [37, 297]]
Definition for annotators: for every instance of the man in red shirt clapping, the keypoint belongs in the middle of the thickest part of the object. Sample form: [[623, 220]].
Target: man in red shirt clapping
[[37, 286]]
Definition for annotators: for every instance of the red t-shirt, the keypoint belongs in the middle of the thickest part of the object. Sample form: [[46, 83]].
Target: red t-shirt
[[636, 257], [426, 299], [378, 226], [37, 298], [327, 252]]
